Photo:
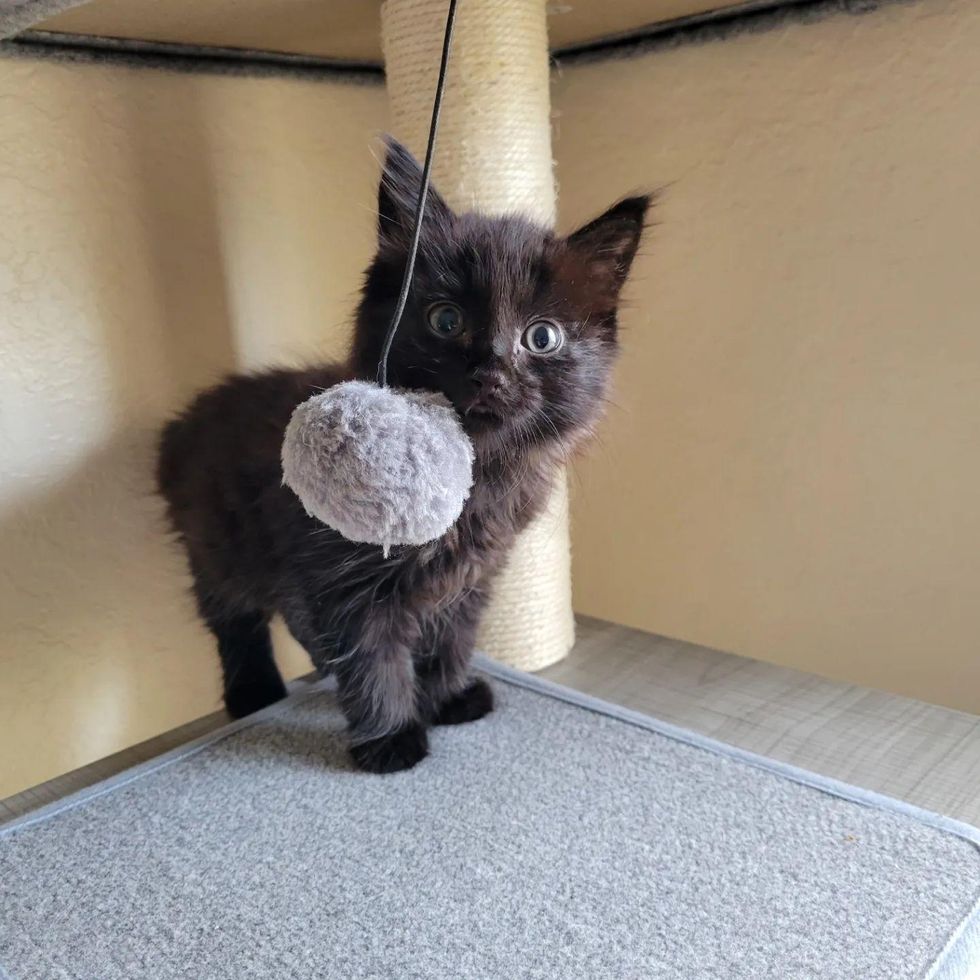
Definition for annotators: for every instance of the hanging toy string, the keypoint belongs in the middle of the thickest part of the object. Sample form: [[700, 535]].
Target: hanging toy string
[[423, 194]]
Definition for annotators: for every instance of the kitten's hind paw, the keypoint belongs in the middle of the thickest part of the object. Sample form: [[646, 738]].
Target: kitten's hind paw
[[471, 703], [247, 696], [392, 753]]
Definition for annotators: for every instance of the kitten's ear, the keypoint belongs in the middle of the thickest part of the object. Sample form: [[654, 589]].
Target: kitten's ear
[[398, 196], [608, 244]]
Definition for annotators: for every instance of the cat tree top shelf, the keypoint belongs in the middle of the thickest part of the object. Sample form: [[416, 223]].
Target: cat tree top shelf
[[348, 30]]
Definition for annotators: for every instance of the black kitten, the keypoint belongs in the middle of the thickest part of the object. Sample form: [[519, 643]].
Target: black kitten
[[517, 327]]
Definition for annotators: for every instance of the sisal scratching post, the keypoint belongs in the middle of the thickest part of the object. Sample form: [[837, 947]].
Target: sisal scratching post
[[493, 155]]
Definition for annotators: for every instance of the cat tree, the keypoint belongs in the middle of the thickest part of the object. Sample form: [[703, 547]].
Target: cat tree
[[494, 154]]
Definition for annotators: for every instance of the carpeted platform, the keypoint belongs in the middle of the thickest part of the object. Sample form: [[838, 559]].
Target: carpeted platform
[[558, 838]]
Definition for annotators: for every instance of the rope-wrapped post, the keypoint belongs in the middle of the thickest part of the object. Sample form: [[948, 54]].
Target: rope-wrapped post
[[493, 155]]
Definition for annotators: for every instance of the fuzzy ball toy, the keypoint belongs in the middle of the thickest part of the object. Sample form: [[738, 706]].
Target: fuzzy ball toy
[[383, 466], [380, 466]]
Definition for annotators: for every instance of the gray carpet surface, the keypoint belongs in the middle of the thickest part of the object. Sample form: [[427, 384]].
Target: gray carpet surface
[[557, 838]]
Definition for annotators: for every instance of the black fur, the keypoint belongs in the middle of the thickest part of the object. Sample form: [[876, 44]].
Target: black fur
[[398, 632]]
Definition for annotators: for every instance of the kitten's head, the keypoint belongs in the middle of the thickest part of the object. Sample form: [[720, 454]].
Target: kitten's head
[[515, 325]]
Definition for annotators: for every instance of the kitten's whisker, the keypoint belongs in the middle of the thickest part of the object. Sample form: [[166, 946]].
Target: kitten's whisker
[[558, 439]]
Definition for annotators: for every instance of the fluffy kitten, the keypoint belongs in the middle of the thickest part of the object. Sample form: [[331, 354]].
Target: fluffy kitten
[[517, 327]]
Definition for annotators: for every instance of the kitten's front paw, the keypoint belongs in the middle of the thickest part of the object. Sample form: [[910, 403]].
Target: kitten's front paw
[[392, 753], [248, 696], [471, 703]]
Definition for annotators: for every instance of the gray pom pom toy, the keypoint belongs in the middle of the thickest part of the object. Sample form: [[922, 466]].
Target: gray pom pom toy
[[378, 465], [383, 466]]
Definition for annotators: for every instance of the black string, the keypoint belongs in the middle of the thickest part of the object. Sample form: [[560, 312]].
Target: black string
[[423, 194]]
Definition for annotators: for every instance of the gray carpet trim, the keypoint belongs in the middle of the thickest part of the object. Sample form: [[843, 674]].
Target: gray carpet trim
[[751, 16], [200, 59], [720, 24], [959, 956]]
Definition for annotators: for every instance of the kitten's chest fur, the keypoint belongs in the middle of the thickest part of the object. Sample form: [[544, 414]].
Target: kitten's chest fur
[[504, 499]]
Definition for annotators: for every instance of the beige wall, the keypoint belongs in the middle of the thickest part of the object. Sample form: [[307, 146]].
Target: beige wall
[[792, 468], [156, 230]]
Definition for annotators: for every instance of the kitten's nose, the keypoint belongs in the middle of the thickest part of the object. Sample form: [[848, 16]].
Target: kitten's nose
[[487, 382]]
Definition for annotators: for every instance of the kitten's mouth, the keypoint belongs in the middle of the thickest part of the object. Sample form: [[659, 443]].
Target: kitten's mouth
[[481, 416], [481, 410]]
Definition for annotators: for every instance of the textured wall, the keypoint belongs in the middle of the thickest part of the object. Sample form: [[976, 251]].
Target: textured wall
[[156, 230], [791, 470]]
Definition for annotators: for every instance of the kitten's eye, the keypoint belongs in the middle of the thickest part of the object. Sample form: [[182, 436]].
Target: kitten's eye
[[445, 320], [543, 337]]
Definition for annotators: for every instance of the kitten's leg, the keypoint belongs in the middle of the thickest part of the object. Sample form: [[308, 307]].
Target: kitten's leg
[[377, 690], [251, 677], [450, 694], [371, 657], [249, 673]]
